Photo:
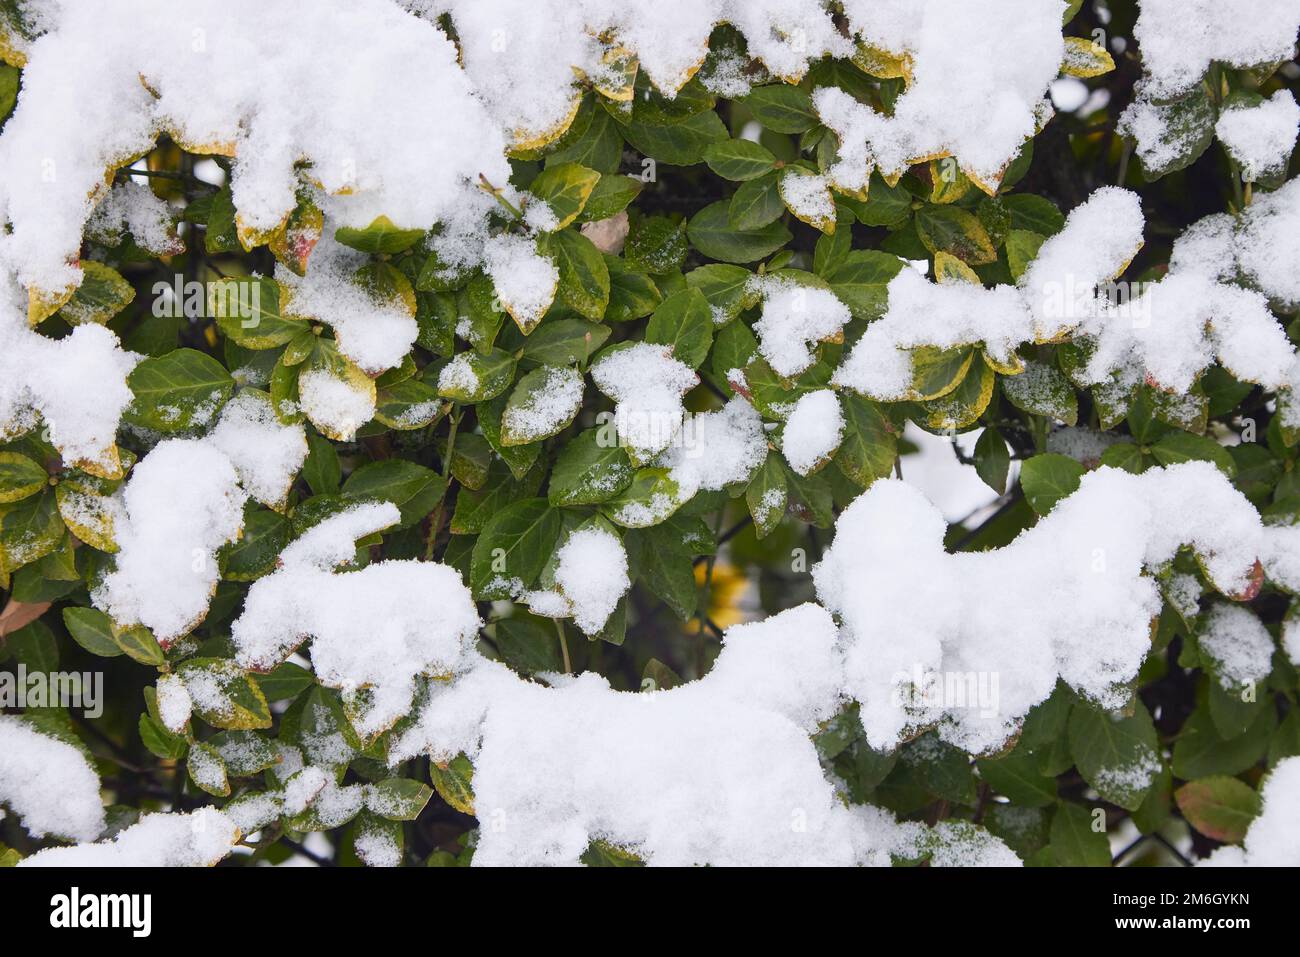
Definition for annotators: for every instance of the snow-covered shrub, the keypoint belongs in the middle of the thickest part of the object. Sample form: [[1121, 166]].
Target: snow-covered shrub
[[507, 431]]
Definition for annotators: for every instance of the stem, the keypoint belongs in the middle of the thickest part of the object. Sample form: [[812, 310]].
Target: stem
[[564, 645], [435, 523], [487, 187]]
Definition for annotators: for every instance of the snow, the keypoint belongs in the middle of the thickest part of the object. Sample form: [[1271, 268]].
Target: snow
[[135, 209], [954, 488], [734, 775], [1273, 839], [1165, 332], [198, 839], [334, 405], [523, 56], [1238, 644], [795, 318], [548, 408], [1178, 39], [1261, 138], [97, 92], [48, 783], [592, 575], [374, 334], [174, 703], [717, 449], [1074, 602], [266, 453], [181, 503], [77, 384], [375, 628], [813, 430], [647, 385], [978, 77], [524, 279]]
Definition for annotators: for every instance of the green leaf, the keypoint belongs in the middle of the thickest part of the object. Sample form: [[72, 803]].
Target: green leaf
[[513, 547], [728, 289], [1042, 390], [869, 446], [951, 229], [1184, 447], [1022, 247], [861, 281], [542, 403], [520, 458], [381, 236], [230, 698], [612, 195], [683, 321], [476, 377], [666, 564], [1219, 807], [584, 278], [1033, 213], [408, 405], [1185, 127], [174, 392], [650, 499], [1073, 841], [681, 144], [1117, 755], [739, 160], [632, 294], [767, 496], [1017, 777], [19, 477], [29, 529], [321, 470], [565, 188], [756, 204], [159, 740], [140, 645], [398, 799], [454, 783], [781, 108], [564, 342], [1047, 478], [500, 488], [1199, 751], [249, 311], [286, 680], [656, 244], [712, 234], [266, 534], [528, 646], [587, 472], [992, 459], [93, 630], [103, 293], [414, 489]]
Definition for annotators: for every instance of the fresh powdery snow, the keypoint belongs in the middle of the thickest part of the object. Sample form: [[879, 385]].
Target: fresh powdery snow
[[373, 628], [265, 452], [198, 839], [727, 761], [979, 75], [1077, 605], [524, 279], [1261, 138], [795, 318], [1238, 644], [374, 334], [591, 575], [181, 503], [48, 783], [717, 449], [647, 385], [813, 431], [1179, 39], [1166, 332], [98, 91]]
